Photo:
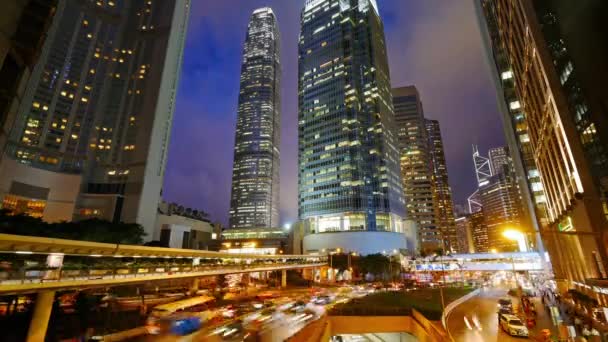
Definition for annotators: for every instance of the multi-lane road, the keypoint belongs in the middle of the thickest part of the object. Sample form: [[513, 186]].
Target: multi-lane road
[[275, 326], [484, 307]]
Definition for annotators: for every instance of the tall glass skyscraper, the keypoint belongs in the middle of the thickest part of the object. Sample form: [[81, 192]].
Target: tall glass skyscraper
[[416, 166], [349, 177], [442, 192], [91, 135], [549, 65], [255, 177], [427, 192]]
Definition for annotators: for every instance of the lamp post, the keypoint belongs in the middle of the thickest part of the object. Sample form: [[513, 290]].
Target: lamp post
[[518, 236]]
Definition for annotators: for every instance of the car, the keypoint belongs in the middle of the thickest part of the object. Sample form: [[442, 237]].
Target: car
[[504, 311], [298, 307], [322, 300], [512, 325], [505, 303]]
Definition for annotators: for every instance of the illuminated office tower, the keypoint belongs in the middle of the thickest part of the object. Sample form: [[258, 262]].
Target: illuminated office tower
[[254, 202], [500, 159], [554, 57], [479, 232], [502, 209], [23, 29], [442, 193], [350, 193], [416, 166], [464, 231], [92, 132], [483, 171]]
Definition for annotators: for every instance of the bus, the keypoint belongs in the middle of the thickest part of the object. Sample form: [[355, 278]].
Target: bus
[[194, 305]]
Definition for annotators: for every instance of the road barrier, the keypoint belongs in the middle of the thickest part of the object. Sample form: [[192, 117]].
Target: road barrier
[[452, 305]]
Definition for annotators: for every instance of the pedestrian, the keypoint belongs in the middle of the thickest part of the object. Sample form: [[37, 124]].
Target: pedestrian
[[577, 323], [586, 332], [595, 332]]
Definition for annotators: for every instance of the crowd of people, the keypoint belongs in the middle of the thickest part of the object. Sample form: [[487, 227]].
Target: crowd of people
[[585, 328]]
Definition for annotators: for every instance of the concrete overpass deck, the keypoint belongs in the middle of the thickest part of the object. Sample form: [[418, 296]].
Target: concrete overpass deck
[[67, 264]]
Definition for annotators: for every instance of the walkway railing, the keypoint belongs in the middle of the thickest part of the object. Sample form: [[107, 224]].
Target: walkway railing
[[34, 280], [51, 275]]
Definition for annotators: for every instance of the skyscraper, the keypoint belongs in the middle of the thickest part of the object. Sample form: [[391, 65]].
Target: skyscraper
[[23, 31], [254, 202], [556, 58], [479, 232], [501, 208], [349, 178], [500, 159], [464, 230], [416, 166], [427, 192], [497, 198], [483, 171], [92, 132], [442, 192]]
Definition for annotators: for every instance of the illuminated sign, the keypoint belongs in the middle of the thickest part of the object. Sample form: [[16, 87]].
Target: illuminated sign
[[566, 225]]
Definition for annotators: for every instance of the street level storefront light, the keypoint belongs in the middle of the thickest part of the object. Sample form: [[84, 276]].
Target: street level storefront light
[[95, 255], [24, 252]]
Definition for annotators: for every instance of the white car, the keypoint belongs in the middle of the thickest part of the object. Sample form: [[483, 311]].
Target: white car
[[512, 325]]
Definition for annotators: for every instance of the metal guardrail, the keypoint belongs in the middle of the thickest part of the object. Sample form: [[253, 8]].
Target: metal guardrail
[[103, 278], [371, 311], [57, 275]]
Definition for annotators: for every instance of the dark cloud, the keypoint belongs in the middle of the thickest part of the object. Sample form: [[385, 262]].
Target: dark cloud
[[433, 44]]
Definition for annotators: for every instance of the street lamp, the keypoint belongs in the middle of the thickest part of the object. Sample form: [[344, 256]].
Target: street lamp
[[516, 235]]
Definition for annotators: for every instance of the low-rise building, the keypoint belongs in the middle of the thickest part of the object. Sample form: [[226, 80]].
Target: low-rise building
[[255, 241], [181, 227]]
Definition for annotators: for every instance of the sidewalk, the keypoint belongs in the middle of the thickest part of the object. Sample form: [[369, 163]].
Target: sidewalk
[[567, 313], [543, 317]]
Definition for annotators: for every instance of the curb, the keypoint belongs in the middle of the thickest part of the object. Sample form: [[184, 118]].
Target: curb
[[448, 309], [123, 335]]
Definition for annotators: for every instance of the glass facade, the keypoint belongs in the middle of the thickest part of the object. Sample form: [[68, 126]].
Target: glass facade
[[442, 193], [254, 200], [100, 101], [551, 58], [349, 175], [416, 167], [517, 121]]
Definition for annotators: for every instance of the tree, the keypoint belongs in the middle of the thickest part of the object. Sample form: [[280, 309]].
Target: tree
[[375, 264], [87, 230]]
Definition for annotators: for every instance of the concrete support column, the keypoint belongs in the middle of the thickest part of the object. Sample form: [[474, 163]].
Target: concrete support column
[[41, 316], [308, 274], [194, 287], [284, 278]]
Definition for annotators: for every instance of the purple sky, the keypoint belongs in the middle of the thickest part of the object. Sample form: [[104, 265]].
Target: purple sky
[[433, 44]]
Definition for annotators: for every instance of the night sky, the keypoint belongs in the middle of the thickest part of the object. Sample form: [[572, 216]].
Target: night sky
[[433, 44]]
